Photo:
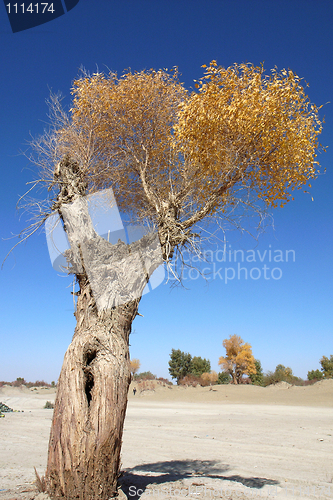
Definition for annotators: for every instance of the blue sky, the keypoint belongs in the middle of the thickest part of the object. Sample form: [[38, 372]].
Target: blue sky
[[287, 318]]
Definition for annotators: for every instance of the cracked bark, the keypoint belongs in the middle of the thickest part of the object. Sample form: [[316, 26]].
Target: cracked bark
[[87, 427]]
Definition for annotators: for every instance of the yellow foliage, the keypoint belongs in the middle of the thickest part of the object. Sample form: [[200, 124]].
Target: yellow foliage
[[150, 139], [135, 365], [248, 128], [239, 359], [209, 378], [128, 122]]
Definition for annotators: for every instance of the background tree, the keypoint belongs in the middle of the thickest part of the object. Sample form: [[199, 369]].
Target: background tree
[[135, 366], [242, 140], [315, 375], [258, 377], [238, 360], [327, 366], [180, 364], [200, 366], [281, 374], [224, 378]]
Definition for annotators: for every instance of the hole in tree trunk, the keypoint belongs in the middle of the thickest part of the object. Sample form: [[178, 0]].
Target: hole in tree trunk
[[89, 386], [90, 355]]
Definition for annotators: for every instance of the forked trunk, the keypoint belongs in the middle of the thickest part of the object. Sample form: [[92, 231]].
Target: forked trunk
[[87, 427]]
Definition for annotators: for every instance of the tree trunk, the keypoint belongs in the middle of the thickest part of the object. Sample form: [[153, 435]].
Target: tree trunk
[[87, 427], [86, 434]]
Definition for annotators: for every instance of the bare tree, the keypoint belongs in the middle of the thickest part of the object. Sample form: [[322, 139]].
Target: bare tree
[[173, 158]]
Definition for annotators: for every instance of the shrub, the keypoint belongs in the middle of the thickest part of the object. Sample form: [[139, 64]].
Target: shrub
[[21, 381], [315, 375], [223, 378], [48, 405], [310, 382], [144, 376], [164, 381], [208, 379], [39, 383], [18, 382], [146, 385], [190, 380], [282, 374]]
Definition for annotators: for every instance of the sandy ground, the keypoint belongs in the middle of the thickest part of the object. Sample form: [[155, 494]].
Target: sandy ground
[[228, 442]]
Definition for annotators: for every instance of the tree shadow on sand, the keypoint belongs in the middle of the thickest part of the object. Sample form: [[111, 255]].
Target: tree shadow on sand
[[134, 481]]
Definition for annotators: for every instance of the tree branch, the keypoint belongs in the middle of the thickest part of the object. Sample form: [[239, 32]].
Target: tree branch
[[200, 214]]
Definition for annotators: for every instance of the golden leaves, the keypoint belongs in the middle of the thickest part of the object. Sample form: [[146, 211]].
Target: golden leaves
[[247, 125], [239, 359], [131, 119], [148, 138]]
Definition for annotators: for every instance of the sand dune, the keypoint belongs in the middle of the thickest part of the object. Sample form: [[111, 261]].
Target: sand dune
[[319, 394]]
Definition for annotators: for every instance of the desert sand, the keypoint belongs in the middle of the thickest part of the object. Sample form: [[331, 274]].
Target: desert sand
[[228, 442]]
